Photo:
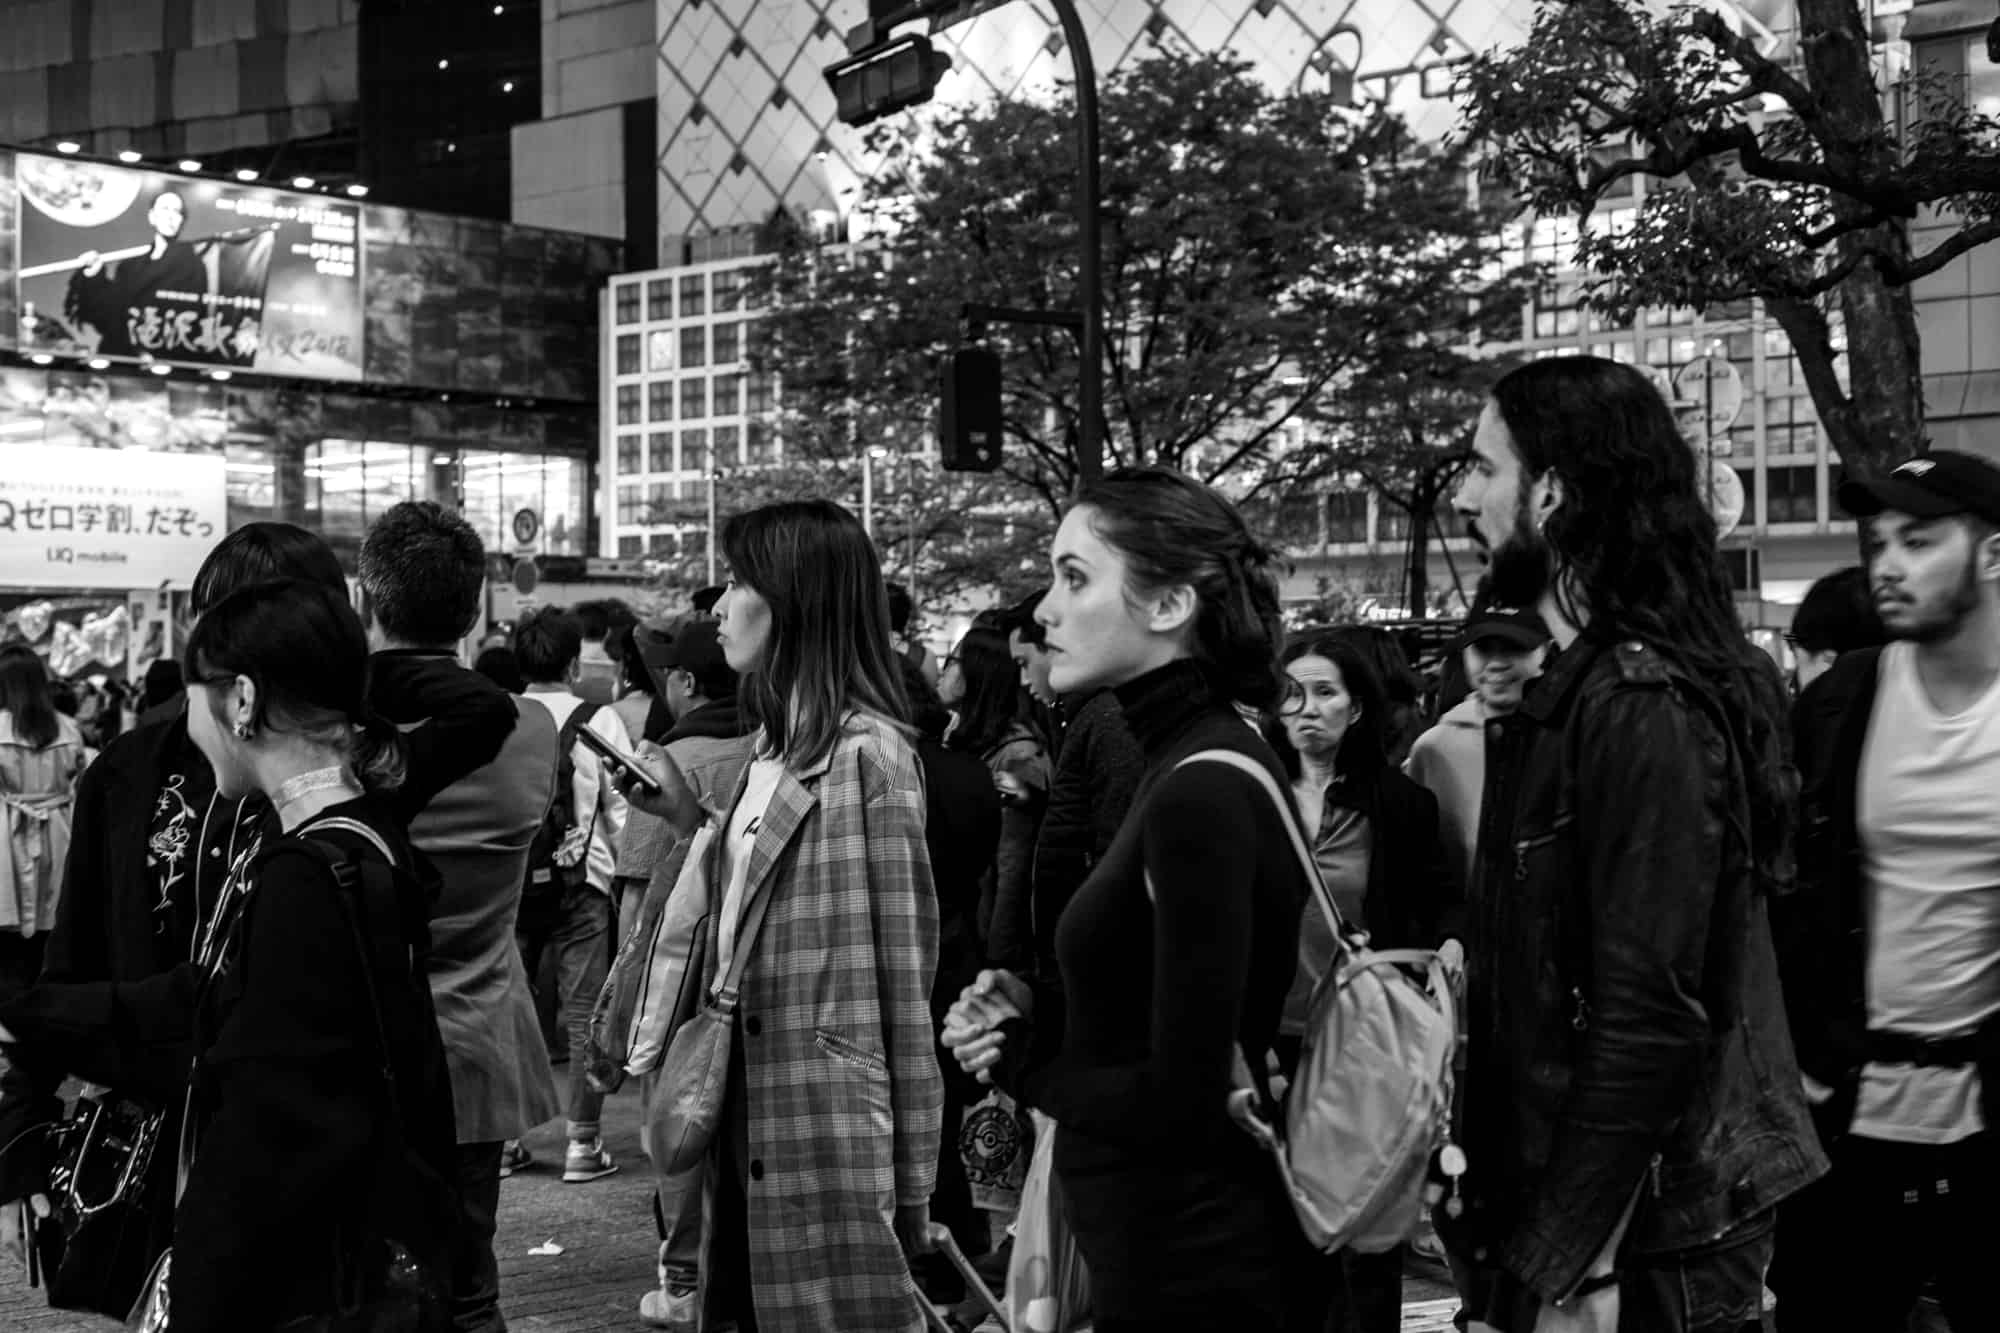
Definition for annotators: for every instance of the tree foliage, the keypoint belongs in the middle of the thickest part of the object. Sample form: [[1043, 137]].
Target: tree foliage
[[1263, 254], [1772, 172]]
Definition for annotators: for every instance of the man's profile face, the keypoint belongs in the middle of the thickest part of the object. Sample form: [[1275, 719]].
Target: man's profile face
[[1923, 573], [1034, 664], [1494, 501], [168, 215]]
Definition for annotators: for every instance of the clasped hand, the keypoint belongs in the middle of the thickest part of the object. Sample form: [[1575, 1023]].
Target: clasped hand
[[972, 1024]]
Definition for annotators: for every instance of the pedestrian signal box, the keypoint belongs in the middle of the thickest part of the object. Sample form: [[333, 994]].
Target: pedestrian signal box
[[969, 411], [881, 80]]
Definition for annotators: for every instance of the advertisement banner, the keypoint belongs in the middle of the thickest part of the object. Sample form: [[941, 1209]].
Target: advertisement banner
[[89, 518], [139, 264]]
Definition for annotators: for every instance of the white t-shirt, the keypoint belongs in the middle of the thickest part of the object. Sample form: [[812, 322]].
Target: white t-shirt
[[1928, 807], [596, 804], [739, 840]]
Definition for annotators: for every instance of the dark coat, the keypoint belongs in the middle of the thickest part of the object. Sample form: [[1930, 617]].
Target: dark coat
[[1414, 899], [1627, 1023], [1097, 772]]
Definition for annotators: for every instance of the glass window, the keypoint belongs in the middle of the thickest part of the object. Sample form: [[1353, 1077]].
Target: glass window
[[728, 343], [660, 451], [728, 443], [694, 451], [253, 483], [1392, 522], [694, 347], [628, 404], [629, 455], [659, 499], [631, 503], [1748, 475], [1347, 517], [626, 300], [660, 350], [694, 295], [761, 395], [728, 286], [350, 483], [728, 400], [631, 547], [660, 400], [628, 354], [760, 443], [660, 299], [694, 399], [1792, 495]]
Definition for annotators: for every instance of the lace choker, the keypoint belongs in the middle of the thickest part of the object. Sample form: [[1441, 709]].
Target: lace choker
[[293, 790]]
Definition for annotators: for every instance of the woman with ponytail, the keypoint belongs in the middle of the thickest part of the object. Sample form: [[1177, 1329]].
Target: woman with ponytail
[[1179, 948]]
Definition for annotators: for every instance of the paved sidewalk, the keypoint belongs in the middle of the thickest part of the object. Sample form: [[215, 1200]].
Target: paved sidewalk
[[608, 1240]]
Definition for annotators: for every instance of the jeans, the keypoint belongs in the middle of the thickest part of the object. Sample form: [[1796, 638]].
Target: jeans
[[579, 942], [475, 1271], [1715, 1288], [1858, 1245]]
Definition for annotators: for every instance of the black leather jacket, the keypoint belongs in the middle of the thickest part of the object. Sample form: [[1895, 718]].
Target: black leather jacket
[[1627, 1032]]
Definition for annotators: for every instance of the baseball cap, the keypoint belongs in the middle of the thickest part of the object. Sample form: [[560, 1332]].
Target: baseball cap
[[693, 648], [1518, 625], [1941, 483]]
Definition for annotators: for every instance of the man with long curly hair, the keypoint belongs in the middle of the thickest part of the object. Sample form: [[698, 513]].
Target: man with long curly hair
[[1633, 1108]]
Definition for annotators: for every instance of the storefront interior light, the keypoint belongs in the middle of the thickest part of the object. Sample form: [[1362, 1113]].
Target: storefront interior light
[[42, 359], [189, 164], [358, 191], [69, 146], [159, 369], [220, 376], [130, 155], [507, 87], [444, 64], [246, 175], [98, 363], [303, 182]]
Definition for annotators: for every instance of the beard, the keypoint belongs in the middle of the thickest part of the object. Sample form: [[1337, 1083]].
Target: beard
[[1522, 567], [1936, 619]]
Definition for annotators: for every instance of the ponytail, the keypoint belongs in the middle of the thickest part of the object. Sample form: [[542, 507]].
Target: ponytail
[[380, 755]]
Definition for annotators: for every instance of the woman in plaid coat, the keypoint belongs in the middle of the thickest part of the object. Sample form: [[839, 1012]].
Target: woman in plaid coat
[[821, 1177]]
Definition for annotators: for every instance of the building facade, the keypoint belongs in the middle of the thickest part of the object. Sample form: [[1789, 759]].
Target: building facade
[[746, 126]]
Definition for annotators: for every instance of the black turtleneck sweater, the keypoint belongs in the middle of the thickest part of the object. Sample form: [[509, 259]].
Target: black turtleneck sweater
[[1160, 987]]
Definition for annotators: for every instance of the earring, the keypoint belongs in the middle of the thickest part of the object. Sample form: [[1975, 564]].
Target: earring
[[244, 731]]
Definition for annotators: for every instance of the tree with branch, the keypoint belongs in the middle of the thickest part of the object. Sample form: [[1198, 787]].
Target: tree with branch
[[1259, 249], [1773, 173]]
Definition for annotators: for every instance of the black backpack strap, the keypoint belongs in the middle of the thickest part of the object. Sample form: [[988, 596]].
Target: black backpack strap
[[348, 877], [566, 743]]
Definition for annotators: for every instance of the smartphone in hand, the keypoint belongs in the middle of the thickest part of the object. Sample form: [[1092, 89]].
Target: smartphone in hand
[[617, 758]]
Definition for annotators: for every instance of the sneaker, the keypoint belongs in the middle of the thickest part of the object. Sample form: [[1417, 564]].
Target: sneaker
[[672, 1307], [586, 1161], [514, 1158]]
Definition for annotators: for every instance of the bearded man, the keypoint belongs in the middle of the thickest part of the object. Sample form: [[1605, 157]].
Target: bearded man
[[1633, 1110], [1892, 947]]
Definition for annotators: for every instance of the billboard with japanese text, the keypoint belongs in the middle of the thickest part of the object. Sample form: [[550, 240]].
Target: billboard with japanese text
[[125, 263], [69, 521]]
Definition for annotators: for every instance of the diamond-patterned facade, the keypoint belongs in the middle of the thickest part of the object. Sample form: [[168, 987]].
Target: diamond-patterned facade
[[783, 45]]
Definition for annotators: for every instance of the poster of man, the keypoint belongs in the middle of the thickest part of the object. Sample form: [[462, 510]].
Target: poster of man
[[142, 265]]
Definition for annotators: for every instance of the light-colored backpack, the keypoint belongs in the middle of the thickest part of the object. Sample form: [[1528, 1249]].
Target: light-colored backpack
[[1370, 1102]]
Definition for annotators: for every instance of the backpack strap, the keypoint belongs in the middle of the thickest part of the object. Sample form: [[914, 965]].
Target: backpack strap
[[566, 743], [1243, 763]]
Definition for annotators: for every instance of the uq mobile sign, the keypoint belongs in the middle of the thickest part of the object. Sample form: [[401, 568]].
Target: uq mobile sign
[[140, 265]]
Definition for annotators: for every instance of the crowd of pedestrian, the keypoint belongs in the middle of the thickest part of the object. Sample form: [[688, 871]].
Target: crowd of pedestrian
[[322, 927]]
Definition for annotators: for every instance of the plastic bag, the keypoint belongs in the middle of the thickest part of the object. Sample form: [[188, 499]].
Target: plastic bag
[[1048, 1288]]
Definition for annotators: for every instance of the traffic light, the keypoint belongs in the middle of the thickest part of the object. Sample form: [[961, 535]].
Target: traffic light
[[969, 411], [901, 72]]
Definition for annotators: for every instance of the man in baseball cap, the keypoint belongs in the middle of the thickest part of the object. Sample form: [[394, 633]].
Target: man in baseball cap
[[1941, 484], [1925, 590]]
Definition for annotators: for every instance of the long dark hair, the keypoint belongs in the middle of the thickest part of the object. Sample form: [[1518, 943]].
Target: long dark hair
[[992, 702], [1364, 750], [303, 647], [1173, 530], [829, 649], [1636, 553], [26, 694]]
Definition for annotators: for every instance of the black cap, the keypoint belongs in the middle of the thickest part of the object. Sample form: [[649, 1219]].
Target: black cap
[[694, 648], [1941, 483], [1519, 625]]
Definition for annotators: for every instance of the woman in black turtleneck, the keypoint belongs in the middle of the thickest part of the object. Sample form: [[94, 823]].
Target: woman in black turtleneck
[[1182, 943]]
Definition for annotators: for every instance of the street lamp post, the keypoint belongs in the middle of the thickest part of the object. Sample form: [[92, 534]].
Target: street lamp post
[[715, 475], [868, 457]]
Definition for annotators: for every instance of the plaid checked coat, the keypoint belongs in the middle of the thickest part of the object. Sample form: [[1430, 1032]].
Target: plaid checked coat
[[841, 1091]]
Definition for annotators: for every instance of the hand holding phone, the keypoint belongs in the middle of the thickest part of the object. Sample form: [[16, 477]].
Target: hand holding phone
[[631, 769]]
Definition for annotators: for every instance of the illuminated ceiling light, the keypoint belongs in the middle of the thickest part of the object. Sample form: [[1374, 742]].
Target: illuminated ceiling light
[[499, 10], [246, 175], [189, 164], [220, 376], [69, 146], [159, 369], [303, 182], [451, 148], [507, 87], [444, 64], [358, 191], [98, 363], [130, 155], [41, 358]]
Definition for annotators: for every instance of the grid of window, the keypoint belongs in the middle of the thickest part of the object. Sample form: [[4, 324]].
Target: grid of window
[[660, 299], [762, 395], [628, 404], [628, 354], [660, 400], [728, 446], [660, 451], [1792, 494], [629, 455], [694, 399], [728, 344], [728, 288], [759, 444], [1347, 517], [727, 399], [625, 301], [694, 347], [631, 499], [694, 451], [694, 295]]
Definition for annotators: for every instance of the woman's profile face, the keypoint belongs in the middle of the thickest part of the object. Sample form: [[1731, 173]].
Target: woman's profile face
[[1096, 638], [745, 635]]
